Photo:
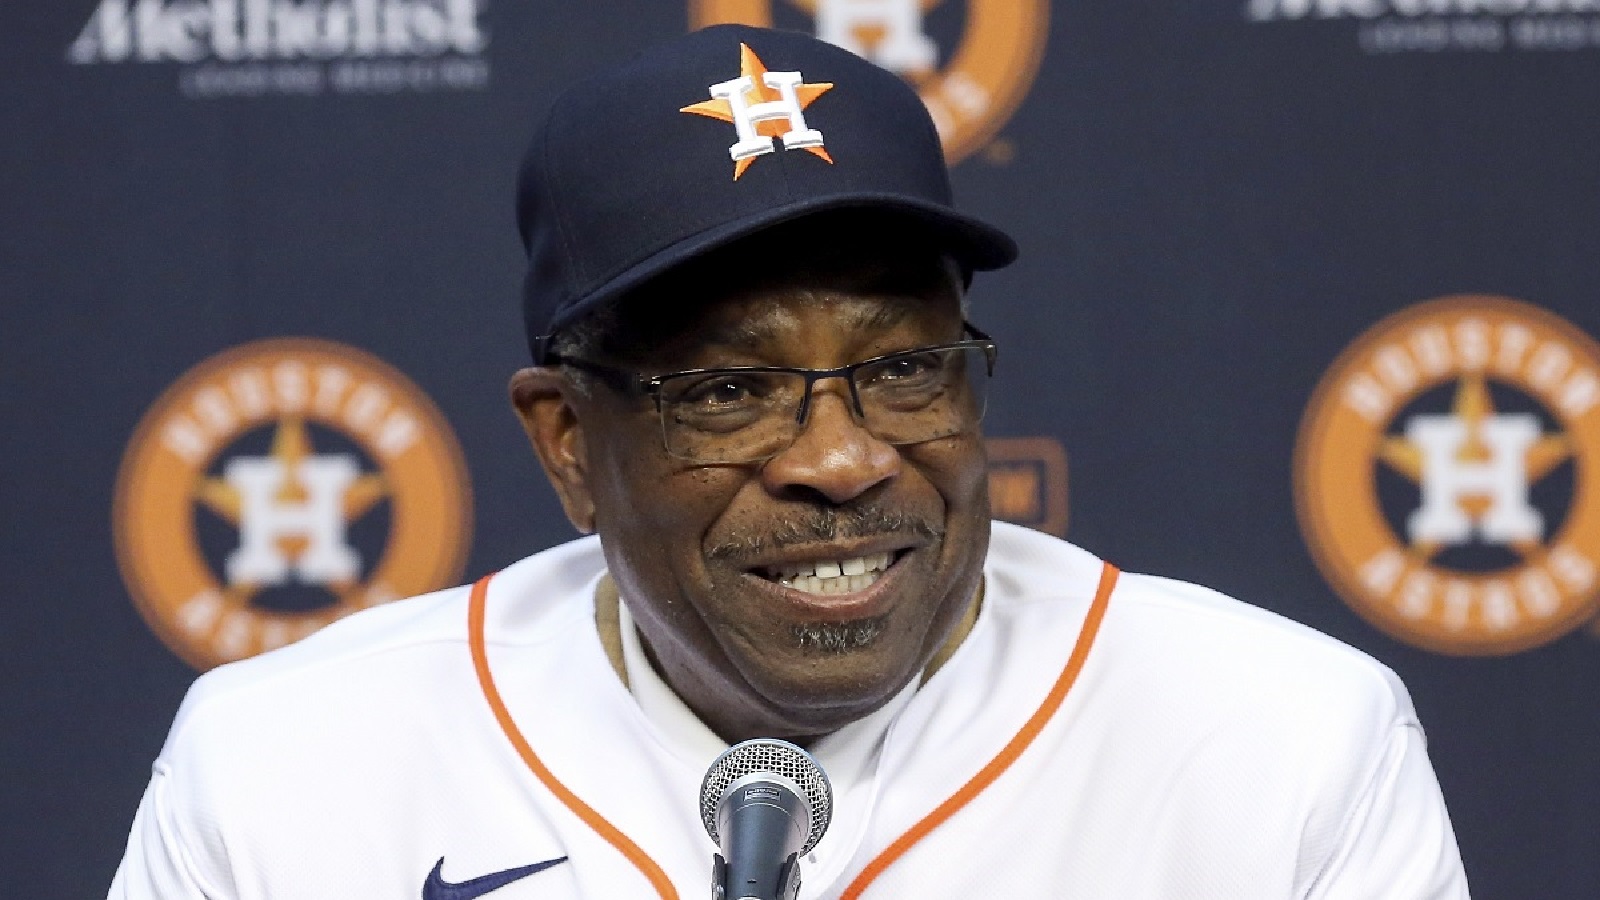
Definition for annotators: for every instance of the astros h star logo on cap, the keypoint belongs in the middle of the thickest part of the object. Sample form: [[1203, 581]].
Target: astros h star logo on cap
[[778, 111], [973, 62]]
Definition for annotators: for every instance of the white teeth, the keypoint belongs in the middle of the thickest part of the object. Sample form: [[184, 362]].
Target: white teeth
[[842, 576]]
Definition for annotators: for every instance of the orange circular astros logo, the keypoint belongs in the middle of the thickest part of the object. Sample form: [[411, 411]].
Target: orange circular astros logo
[[281, 485], [995, 48], [1445, 475]]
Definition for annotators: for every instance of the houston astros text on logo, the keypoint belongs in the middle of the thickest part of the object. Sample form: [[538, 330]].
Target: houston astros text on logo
[[1441, 472], [279, 486], [980, 83], [783, 97]]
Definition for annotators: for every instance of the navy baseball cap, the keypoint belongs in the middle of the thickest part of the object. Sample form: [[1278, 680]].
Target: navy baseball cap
[[711, 137]]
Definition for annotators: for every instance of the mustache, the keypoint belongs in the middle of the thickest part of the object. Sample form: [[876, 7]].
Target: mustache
[[824, 524]]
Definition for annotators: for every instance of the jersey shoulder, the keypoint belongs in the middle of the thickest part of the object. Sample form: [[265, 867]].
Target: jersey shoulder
[[1236, 646], [400, 652], [1168, 639]]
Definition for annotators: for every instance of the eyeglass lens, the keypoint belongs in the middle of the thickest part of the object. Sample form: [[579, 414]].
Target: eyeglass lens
[[731, 416]]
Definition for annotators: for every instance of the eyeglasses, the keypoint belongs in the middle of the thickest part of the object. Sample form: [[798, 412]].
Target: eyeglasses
[[748, 414]]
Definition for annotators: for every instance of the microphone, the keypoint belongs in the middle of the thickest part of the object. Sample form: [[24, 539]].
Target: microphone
[[764, 802]]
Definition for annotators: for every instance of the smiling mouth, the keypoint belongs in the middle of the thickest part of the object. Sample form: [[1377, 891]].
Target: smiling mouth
[[826, 577]]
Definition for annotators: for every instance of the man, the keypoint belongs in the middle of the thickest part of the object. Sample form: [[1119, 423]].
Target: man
[[756, 382]]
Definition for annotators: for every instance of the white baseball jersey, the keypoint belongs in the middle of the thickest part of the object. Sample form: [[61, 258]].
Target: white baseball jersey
[[1095, 736]]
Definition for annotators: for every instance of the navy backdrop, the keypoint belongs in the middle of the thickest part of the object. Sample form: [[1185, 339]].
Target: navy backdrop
[[1214, 199]]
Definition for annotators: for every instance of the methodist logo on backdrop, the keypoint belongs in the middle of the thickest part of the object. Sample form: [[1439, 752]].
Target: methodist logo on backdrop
[[256, 47], [279, 486], [1432, 26], [1446, 475], [970, 91]]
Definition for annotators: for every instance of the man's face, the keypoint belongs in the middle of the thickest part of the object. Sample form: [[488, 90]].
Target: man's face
[[706, 556]]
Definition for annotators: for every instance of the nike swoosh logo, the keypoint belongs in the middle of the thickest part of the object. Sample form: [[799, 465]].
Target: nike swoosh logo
[[436, 888]]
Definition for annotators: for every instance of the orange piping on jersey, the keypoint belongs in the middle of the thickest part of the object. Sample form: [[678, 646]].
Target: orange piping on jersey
[[1007, 754], [480, 662]]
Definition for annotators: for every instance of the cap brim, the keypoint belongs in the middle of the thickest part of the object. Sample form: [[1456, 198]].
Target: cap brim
[[973, 243]]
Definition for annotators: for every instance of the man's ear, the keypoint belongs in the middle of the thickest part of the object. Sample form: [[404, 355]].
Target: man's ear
[[540, 399]]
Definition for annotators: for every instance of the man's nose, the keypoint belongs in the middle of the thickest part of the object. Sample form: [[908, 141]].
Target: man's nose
[[834, 454]]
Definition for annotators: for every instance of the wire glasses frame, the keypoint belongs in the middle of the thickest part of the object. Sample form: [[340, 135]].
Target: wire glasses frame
[[743, 414]]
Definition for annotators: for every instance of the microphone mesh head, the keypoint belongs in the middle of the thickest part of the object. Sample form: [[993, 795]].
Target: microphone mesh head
[[768, 755]]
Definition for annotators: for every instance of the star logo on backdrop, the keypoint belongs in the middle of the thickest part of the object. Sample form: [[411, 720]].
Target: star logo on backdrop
[[1480, 438], [1494, 547], [297, 480], [360, 497], [777, 111]]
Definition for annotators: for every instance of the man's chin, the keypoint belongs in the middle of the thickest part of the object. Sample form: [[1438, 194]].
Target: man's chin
[[829, 689]]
